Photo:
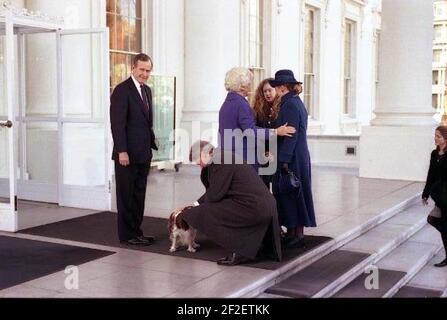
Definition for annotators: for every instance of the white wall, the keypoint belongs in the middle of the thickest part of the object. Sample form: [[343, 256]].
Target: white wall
[[166, 43], [330, 108], [211, 49], [286, 38], [332, 150]]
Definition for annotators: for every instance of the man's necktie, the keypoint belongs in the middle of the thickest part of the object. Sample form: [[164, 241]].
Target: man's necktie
[[144, 95]]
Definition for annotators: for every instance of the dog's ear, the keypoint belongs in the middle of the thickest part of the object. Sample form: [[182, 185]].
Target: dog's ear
[[181, 224]]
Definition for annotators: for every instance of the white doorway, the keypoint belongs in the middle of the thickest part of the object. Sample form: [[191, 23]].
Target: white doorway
[[56, 96]]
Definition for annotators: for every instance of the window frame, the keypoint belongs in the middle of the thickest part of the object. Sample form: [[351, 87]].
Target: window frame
[[128, 55], [314, 75], [349, 86], [263, 60]]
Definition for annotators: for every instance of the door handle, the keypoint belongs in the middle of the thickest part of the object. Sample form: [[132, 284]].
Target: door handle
[[7, 124]]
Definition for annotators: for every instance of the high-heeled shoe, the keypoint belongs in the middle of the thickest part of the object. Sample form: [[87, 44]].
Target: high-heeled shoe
[[441, 264]]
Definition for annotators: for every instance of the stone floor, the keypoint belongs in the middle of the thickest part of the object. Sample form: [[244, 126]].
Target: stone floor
[[342, 201]]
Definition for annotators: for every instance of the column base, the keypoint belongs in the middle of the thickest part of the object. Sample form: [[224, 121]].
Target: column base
[[400, 153]]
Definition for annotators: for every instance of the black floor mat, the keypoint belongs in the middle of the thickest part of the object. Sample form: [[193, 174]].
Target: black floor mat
[[22, 260], [100, 228], [413, 292], [312, 279], [386, 280]]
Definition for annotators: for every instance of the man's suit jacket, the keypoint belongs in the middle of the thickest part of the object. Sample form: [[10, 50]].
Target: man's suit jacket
[[131, 123]]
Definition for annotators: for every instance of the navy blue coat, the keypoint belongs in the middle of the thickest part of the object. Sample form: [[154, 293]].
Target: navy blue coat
[[296, 208]]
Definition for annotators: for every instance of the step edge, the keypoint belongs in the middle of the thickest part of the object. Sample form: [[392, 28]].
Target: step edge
[[330, 290], [344, 279], [304, 261], [411, 273], [412, 229]]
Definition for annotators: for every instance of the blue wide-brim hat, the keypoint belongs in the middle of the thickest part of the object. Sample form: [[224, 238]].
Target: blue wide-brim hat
[[282, 77]]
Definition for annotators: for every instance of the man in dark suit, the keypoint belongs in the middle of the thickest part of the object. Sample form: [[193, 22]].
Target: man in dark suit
[[133, 137]]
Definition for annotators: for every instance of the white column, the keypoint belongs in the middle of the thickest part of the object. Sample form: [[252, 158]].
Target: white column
[[286, 40], [167, 45], [398, 142], [212, 42], [366, 64], [330, 107]]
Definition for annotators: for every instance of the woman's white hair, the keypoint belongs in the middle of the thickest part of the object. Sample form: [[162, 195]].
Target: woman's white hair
[[237, 78]]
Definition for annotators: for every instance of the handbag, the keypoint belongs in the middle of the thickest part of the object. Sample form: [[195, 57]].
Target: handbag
[[288, 183], [438, 193]]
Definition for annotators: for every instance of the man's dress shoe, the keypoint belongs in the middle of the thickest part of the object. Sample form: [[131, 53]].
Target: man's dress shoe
[[233, 260], [441, 264], [138, 242], [147, 238]]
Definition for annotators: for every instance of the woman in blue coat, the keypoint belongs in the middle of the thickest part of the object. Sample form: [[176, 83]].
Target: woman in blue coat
[[237, 124], [296, 209]]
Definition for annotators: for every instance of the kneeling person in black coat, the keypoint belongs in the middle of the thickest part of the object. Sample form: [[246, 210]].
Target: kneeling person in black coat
[[237, 211]]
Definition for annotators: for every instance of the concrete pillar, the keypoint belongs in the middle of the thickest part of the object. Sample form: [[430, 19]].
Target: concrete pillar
[[332, 73], [212, 47], [397, 144]]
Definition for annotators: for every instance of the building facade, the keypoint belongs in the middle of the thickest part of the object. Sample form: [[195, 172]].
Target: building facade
[[366, 67]]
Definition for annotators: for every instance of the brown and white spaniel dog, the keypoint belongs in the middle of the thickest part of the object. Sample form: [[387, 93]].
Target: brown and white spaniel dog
[[180, 233]]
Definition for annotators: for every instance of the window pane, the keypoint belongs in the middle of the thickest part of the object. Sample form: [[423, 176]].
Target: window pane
[[111, 6], [346, 102], [122, 7], [135, 35], [4, 167], [347, 49], [41, 79], [3, 107], [119, 33], [163, 98], [437, 55], [119, 68], [435, 77], [112, 31], [82, 165], [438, 32], [255, 33], [41, 152], [308, 92], [135, 9], [82, 69], [434, 100], [138, 8], [309, 42], [126, 32]]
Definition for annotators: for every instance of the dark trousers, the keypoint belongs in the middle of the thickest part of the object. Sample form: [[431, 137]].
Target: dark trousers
[[441, 225], [131, 184]]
